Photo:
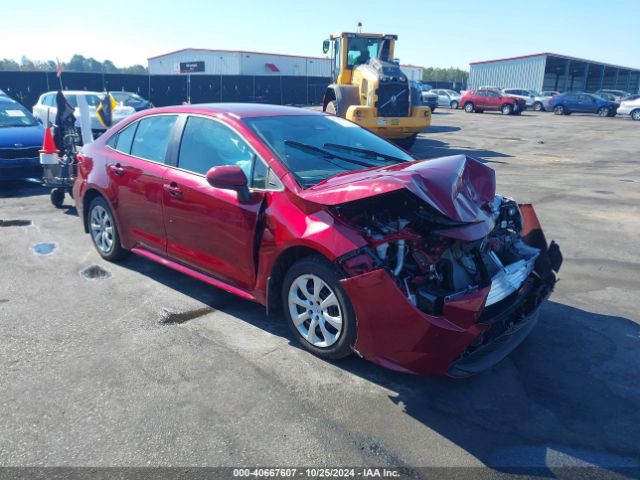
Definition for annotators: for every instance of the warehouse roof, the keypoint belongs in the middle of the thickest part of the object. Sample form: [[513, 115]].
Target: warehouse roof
[[217, 50], [548, 54]]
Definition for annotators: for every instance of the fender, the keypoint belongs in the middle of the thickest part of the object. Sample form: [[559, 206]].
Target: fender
[[344, 95]]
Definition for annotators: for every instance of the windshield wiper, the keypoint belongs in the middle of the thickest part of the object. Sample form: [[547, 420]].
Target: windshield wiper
[[370, 153], [326, 154]]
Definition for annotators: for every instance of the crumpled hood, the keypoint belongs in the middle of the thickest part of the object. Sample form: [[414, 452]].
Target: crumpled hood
[[459, 187]]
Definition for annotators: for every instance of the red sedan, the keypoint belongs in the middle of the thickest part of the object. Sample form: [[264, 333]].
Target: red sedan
[[417, 266], [492, 100]]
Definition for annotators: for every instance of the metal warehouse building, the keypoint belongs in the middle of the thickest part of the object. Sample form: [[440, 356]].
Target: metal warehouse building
[[549, 71], [237, 62]]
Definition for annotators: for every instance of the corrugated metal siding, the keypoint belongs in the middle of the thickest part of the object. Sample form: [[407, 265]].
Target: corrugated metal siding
[[525, 73], [412, 72], [241, 63]]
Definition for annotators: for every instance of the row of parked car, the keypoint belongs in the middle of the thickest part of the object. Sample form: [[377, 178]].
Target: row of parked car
[[513, 101], [22, 132]]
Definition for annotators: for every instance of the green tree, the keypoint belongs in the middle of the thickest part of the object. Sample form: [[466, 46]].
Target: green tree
[[451, 74], [27, 65], [9, 64]]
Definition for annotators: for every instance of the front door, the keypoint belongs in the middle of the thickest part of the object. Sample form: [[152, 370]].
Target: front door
[[136, 169], [211, 229]]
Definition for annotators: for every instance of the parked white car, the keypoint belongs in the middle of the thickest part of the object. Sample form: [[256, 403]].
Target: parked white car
[[45, 110], [447, 98], [526, 95], [631, 108]]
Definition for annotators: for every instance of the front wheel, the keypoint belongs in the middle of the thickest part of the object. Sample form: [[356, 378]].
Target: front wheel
[[406, 143], [468, 107], [559, 110], [603, 112], [454, 105], [635, 115], [318, 311], [104, 231], [537, 107], [507, 109]]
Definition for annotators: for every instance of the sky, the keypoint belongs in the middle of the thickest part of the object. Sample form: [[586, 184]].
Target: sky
[[431, 33]]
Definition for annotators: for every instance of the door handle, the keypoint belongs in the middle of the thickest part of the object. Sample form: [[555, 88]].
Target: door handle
[[116, 169], [172, 189]]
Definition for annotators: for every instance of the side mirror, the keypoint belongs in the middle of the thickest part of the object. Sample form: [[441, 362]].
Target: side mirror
[[325, 46], [229, 177]]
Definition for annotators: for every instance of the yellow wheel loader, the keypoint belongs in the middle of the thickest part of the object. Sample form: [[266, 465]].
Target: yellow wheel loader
[[370, 89]]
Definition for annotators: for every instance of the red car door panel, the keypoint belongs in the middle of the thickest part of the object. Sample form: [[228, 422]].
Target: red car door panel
[[137, 185], [209, 229]]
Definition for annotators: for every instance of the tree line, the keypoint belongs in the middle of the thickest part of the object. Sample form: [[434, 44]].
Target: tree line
[[451, 74], [77, 63]]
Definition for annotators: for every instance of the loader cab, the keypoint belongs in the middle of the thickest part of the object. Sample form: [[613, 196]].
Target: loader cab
[[348, 50]]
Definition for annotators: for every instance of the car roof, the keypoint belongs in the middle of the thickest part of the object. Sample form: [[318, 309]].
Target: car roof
[[238, 110]]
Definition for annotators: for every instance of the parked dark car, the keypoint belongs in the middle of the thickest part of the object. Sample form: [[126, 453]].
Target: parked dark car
[[130, 99], [581, 102], [21, 137], [416, 265], [426, 97], [492, 100], [617, 94]]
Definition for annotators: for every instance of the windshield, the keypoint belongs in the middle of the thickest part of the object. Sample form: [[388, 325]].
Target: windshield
[[92, 100], [316, 147], [361, 50], [14, 115]]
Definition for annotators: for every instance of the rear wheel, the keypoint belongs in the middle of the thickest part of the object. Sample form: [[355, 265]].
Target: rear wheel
[[537, 107], [104, 231], [603, 112], [454, 105], [468, 107], [406, 143], [318, 311], [635, 115], [506, 109]]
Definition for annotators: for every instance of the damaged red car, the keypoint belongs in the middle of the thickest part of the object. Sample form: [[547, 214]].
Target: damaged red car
[[416, 265]]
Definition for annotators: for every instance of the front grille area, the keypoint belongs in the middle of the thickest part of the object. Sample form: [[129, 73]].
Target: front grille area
[[15, 153], [393, 99]]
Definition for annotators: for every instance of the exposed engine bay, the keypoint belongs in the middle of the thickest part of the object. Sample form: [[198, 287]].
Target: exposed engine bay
[[417, 245]]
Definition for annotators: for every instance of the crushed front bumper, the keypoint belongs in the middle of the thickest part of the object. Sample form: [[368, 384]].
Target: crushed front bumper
[[469, 337]]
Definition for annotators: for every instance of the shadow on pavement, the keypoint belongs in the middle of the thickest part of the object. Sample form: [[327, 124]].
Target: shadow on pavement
[[429, 148], [569, 395], [22, 188]]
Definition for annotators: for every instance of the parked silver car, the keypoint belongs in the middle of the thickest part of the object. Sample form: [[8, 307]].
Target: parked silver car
[[447, 98], [630, 107], [541, 100], [46, 108], [526, 95]]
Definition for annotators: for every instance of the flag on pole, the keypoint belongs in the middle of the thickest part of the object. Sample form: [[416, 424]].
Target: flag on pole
[[104, 112], [59, 68]]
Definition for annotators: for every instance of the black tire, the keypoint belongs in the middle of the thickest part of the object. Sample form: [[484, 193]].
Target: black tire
[[468, 107], [328, 273], [603, 112], [537, 107], [559, 110], [115, 251], [506, 109], [57, 197], [479, 111], [406, 143], [332, 107], [635, 115], [454, 105]]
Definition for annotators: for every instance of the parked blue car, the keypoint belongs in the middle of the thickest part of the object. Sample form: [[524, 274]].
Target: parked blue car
[[580, 102], [21, 137]]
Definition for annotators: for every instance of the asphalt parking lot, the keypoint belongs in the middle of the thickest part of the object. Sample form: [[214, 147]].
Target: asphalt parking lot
[[147, 367]]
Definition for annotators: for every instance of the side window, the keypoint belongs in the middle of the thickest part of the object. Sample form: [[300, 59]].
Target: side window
[[260, 174], [208, 143], [49, 101], [152, 137], [125, 138]]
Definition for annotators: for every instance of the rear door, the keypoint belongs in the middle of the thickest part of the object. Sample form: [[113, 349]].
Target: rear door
[[493, 101], [136, 168], [480, 99], [211, 229]]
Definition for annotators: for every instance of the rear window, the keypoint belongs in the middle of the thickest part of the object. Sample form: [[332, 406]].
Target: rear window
[[152, 137]]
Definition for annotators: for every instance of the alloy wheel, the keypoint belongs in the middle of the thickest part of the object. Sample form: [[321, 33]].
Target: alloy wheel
[[315, 310], [635, 115], [102, 229]]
